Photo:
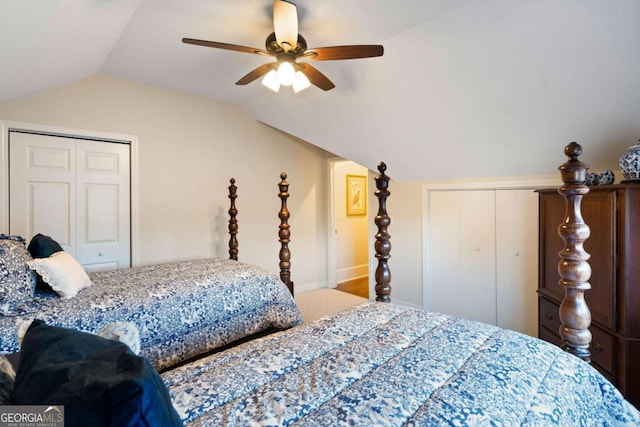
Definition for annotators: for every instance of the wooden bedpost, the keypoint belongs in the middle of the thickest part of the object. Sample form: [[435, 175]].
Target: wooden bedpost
[[382, 245], [573, 267], [233, 221], [284, 234]]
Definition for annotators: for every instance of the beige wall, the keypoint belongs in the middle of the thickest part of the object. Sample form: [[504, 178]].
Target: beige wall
[[188, 148], [404, 206]]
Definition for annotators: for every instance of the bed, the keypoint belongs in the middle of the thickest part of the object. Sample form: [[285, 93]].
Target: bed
[[181, 309], [384, 364]]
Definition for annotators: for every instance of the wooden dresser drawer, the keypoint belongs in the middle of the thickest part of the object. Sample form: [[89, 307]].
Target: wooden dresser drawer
[[549, 316], [603, 345], [603, 349]]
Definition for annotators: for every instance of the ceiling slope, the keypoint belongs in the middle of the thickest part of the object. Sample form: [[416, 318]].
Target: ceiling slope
[[493, 88], [44, 44], [466, 88]]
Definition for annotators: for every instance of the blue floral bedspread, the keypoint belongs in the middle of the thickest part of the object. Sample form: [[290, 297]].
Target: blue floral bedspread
[[182, 309], [386, 365]]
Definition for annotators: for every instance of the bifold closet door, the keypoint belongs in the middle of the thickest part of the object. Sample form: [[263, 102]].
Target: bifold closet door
[[461, 253], [74, 190], [483, 256], [517, 260]]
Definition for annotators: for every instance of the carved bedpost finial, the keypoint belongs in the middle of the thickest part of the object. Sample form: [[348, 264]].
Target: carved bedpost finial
[[382, 245], [284, 234], [233, 221], [573, 267]]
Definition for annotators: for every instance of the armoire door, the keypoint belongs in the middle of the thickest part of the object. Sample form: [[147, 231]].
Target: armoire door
[[74, 190]]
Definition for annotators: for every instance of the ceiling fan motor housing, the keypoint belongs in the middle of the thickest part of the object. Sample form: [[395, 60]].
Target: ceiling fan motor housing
[[276, 50]]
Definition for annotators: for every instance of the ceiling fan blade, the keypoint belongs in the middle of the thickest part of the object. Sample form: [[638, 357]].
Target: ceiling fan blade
[[285, 24], [344, 52], [226, 46], [316, 77], [257, 73]]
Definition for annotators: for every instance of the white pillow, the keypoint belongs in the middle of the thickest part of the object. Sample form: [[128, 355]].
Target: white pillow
[[62, 272]]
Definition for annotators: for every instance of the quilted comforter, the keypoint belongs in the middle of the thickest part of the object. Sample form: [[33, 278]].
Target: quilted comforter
[[387, 365], [182, 309]]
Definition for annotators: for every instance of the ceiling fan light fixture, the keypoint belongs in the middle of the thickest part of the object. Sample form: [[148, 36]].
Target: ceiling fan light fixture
[[301, 82], [271, 81], [286, 73]]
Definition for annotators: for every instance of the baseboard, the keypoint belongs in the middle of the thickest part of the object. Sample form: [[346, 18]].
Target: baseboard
[[297, 289], [352, 273]]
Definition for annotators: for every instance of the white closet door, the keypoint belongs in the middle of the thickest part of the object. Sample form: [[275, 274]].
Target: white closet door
[[42, 193], [517, 258], [74, 190], [103, 225], [461, 268]]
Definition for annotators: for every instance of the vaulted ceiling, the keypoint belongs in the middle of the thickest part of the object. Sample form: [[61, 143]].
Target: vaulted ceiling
[[466, 88]]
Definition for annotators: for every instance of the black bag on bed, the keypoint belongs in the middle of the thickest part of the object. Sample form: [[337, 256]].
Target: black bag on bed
[[99, 381], [42, 246]]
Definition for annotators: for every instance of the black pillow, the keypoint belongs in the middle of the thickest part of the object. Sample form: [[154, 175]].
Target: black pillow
[[42, 246], [99, 381], [7, 379]]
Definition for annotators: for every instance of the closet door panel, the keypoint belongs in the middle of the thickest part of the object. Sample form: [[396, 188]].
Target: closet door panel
[[41, 187], [103, 191], [517, 260], [461, 268], [478, 273]]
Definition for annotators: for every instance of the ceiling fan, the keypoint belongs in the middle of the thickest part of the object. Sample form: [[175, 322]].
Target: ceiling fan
[[288, 46]]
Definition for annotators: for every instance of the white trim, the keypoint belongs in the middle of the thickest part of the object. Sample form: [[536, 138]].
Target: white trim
[[506, 184], [518, 183], [298, 289], [6, 126], [332, 245], [4, 177], [352, 273]]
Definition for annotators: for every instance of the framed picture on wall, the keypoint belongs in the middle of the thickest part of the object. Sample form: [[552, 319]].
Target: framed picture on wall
[[356, 195]]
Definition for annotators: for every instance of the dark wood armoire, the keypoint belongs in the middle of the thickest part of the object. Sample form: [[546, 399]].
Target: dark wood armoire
[[613, 215]]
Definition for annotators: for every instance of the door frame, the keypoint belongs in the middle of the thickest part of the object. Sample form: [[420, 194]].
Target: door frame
[[332, 241], [6, 126]]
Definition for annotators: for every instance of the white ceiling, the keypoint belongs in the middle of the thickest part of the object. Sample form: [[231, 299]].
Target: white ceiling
[[466, 88]]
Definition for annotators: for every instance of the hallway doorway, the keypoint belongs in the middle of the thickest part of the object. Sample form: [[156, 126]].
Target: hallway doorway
[[349, 251]]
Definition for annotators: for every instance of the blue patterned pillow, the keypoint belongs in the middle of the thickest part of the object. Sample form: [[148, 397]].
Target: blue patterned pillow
[[7, 379], [17, 281]]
